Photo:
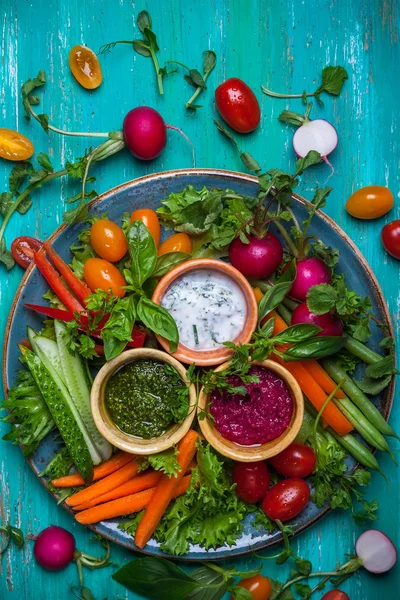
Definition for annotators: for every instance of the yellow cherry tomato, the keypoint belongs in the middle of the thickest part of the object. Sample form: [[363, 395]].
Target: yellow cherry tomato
[[180, 242], [14, 145], [150, 219], [108, 240], [85, 67], [370, 202], [101, 274]]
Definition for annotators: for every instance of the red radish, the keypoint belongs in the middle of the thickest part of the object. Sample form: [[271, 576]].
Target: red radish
[[54, 548], [309, 271], [329, 324], [259, 258], [145, 133], [375, 551]]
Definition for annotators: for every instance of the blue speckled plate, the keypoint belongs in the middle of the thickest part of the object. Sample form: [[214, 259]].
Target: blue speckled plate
[[147, 192]]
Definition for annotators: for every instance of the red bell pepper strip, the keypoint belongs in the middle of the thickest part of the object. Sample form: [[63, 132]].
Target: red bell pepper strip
[[54, 313], [79, 287], [55, 282]]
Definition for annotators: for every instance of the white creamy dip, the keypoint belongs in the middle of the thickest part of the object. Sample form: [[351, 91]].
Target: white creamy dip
[[209, 308]]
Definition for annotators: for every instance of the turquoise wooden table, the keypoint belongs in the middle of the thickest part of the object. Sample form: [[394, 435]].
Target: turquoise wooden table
[[283, 44]]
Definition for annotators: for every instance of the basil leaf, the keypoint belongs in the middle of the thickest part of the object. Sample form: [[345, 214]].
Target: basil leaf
[[155, 579], [312, 158], [16, 536], [159, 320], [117, 332], [318, 347], [383, 367], [206, 577], [143, 252], [240, 593], [268, 327], [274, 296], [168, 261], [297, 333], [149, 286], [321, 298]]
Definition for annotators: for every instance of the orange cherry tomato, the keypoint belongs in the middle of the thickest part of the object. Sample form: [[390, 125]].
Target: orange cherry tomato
[[259, 587], [14, 145], [108, 240], [179, 242], [101, 274], [85, 67], [150, 219], [370, 202]]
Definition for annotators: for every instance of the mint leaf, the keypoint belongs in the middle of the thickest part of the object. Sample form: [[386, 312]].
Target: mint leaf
[[383, 367], [321, 298]]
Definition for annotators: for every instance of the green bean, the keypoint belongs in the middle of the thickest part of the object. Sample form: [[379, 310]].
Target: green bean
[[358, 397], [362, 351], [265, 286], [284, 313]]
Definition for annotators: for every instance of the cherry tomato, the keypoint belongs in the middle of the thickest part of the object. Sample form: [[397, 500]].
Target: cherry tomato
[[335, 595], [85, 67], [252, 480], [23, 248], [286, 499], [238, 105], [108, 240], [370, 202], [14, 145], [391, 238], [150, 219], [297, 460], [179, 242], [101, 274], [259, 586]]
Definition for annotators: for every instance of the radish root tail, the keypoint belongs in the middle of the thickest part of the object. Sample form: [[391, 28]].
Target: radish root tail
[[186, 138], [325, 159]]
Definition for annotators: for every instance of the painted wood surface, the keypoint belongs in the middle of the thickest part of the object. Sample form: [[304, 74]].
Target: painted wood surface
[[283, 44]]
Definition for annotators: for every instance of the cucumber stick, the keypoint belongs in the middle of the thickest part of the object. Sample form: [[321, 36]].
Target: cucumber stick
[[63, 412], [76, 379], [49, 348]]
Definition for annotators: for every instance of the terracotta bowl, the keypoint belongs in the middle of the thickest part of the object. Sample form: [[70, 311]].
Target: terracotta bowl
[[111, 432], [213, 356], [262, 451]]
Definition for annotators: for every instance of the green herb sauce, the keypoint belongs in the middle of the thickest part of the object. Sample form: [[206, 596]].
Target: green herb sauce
[[146, 396]]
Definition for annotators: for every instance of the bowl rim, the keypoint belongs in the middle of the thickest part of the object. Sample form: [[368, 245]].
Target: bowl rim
[[111, 432], [252, 453], [213, 356]]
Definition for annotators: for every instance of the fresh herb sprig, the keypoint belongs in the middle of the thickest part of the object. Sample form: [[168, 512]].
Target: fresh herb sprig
[[12, 534], [332, 80], [195, 79]]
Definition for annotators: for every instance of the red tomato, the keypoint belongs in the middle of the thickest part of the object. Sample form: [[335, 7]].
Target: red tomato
[[23, 248], [101, 274], [252, 480], [391, 238], [286, 499], [297, 460], [179, 242], [335, 595], [150, 219], [108, 240], [238, 105], [259, 586]]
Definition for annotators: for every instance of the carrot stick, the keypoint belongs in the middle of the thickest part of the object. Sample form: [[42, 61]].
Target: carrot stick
[[258, 294], [79, 288], [106, 468], [104, 485], [165, 491], [141, 482], [128, 504], [323, 379]]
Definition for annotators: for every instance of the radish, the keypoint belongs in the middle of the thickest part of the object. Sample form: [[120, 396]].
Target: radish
[[329, 324], [259, 258], [309, 272], [375, 551], [318, 135]]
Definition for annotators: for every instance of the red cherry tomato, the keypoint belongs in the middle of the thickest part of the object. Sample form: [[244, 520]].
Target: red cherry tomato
[[335, 595], [259, 587], [101, 274], [108, 240], [297, 460], [286, 499], [23, 248], [252, 480], [391, 238], [150, 219], [238, 105]]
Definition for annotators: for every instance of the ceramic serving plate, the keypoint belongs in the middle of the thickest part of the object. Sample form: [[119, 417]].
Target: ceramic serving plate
[[147, 192]]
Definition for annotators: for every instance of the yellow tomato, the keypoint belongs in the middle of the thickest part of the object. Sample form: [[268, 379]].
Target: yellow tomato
[[108, 240], [150, 219], [180, 242], [370, 202], [14, 145], [101, 274], [85, 67]]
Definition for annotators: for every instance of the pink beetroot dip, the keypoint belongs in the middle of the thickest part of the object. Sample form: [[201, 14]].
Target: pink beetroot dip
[[259, 416]]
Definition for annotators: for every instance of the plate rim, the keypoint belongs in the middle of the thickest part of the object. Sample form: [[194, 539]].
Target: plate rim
[[229, 175]]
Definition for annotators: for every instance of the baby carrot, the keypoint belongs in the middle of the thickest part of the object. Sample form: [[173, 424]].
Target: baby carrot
[[106, 468]]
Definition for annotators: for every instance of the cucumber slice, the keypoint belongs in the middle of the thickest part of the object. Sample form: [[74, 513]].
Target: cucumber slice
[[62, 410], [50, 349], [75, 376]]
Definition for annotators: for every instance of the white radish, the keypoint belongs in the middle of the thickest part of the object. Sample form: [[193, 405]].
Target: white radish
[[375, 551]]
